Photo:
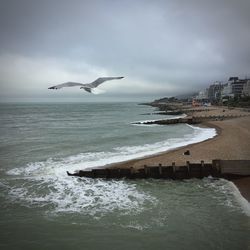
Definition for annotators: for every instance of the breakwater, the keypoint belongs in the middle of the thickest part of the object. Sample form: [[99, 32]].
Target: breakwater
[[190, 120], [228, 169]]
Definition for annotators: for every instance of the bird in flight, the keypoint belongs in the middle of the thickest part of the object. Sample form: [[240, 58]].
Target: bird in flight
[[86, 86]]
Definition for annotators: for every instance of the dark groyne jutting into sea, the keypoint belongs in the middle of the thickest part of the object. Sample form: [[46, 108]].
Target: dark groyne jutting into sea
[[190, 120], [228, 169]]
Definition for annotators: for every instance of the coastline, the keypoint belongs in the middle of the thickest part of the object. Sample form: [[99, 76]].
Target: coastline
[[232, 142], [225, 132]]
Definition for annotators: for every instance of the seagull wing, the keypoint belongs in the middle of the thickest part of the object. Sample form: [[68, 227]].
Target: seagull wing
[[67, 84], [100, 80]]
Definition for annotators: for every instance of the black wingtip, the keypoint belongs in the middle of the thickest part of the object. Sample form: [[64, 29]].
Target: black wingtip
[[51, 88]]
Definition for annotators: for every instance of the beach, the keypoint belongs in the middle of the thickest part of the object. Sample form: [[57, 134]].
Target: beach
[[231, 143]]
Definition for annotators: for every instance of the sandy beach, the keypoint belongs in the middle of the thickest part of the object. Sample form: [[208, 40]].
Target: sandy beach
[[231, 143]]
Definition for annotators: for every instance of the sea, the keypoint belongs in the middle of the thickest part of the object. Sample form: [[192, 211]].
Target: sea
[[43, 208]]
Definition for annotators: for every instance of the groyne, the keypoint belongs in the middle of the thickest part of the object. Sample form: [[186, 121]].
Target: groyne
[[191, 120], [228, 169]]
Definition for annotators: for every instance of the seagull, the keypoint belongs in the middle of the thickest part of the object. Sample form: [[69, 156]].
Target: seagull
[[86, 86]]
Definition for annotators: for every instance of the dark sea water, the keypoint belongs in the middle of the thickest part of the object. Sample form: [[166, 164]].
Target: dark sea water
[[42, 208]]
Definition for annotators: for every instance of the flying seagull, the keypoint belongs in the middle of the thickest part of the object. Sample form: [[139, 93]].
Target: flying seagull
[[86, 86]]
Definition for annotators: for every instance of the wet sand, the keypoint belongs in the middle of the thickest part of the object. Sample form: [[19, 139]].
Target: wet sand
[[231, 143]]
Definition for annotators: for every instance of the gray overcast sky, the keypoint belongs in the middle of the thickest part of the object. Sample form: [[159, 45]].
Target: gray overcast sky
[[162, 48]]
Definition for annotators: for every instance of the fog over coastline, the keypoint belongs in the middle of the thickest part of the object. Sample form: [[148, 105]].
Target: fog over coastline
[[162, 48]]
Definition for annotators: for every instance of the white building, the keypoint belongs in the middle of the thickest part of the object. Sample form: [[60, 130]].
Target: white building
[[202, 95], [227, 90], [246, 88], [235, 87]]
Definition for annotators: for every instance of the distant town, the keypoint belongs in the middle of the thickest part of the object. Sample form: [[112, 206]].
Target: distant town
[[235, 92], [222, 93]]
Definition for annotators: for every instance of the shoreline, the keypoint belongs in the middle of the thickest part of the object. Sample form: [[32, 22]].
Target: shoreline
[[123, 164], [232, 142]]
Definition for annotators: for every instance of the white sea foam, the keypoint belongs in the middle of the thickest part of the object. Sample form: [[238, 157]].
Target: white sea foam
[[119, 154], [3, 186], [94, 197], [46, 183], [144, 122], [245, 205], [230, 195]]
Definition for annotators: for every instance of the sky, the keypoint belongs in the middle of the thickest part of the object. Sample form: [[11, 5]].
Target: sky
[[161, 47]]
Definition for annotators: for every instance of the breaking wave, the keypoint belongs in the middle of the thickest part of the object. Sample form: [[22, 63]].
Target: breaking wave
[[95, 197], [47, 184], [118, 154], [145, 122]]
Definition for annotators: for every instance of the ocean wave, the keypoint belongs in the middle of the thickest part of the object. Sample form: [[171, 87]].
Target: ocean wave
[[46, 183], [227, 194], [95, 197], [145, 122], [118, 154], [245, 205]]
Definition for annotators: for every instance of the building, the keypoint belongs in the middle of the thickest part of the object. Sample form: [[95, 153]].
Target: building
[[215, 91], [234, 87], [233, 79], [227, 91], [203, 95], [218, 92], [237, 87], [246, 89]]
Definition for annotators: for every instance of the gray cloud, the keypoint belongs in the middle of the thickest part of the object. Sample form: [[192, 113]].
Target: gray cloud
[[162, 47]]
